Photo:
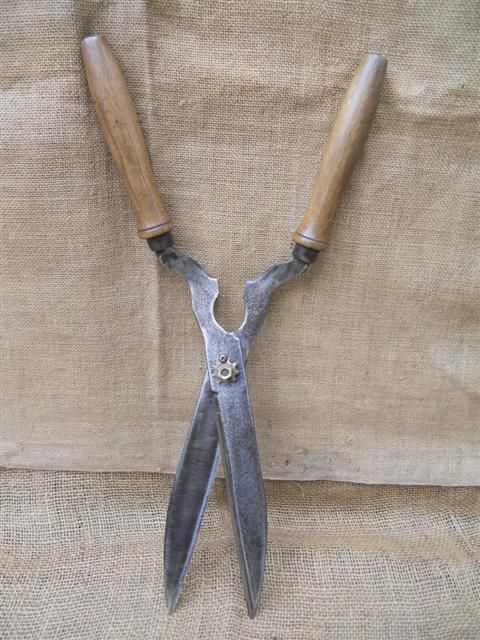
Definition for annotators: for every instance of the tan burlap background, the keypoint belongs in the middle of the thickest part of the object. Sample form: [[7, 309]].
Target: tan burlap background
[[367, 369], [82, 558]]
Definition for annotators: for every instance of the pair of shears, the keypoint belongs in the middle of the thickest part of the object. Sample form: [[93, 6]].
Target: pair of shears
[[222, 426]]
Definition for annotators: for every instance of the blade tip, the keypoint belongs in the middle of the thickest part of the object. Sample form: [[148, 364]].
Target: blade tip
[[172, 601], [252, 603]]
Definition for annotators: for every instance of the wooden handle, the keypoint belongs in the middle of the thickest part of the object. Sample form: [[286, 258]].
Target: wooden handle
[[122, 132], [346, 140]]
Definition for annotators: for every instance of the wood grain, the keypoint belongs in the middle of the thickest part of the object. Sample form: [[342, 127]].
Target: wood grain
[[346, 140], [123, 134]]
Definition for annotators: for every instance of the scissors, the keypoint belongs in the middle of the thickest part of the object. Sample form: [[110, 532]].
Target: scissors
[[222, 425]]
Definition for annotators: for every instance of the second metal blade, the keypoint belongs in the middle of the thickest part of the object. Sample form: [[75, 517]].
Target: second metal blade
[[244, 480], [195, 476]]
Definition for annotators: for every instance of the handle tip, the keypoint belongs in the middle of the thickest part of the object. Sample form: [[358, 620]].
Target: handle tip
[[376, 61], [91, 47], [90, 39], [375, 54]]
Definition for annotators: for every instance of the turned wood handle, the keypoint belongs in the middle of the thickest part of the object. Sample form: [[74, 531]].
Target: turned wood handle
[[346, 140], [124, 137]]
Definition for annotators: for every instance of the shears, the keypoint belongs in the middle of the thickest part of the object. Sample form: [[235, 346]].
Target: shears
[[222, 426]]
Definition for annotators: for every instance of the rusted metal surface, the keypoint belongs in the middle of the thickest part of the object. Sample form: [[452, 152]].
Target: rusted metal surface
[[222, 422]]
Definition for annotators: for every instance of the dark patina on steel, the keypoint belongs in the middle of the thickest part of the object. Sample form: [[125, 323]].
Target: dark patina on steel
[[222, 422]]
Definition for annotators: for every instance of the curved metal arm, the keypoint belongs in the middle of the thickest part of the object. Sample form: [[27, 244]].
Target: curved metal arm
[[257, 294]]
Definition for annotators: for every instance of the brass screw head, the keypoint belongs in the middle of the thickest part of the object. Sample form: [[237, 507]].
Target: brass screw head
[[226, 370]]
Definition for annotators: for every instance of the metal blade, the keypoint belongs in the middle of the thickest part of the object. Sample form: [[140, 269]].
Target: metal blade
[[244, 479], [235, 427], [194, 479]]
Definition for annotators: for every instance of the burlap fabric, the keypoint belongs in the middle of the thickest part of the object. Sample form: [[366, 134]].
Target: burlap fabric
[[367, 368], [82, 558]]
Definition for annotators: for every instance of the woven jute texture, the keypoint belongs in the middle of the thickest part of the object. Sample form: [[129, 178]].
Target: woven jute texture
[[367, 368], [81, 558]]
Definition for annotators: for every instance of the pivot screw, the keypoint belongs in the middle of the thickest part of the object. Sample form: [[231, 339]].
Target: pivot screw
[[227, 370]]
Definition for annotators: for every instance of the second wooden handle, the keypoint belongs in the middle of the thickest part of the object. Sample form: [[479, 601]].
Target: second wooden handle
[[124, 137], [346, 140]]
